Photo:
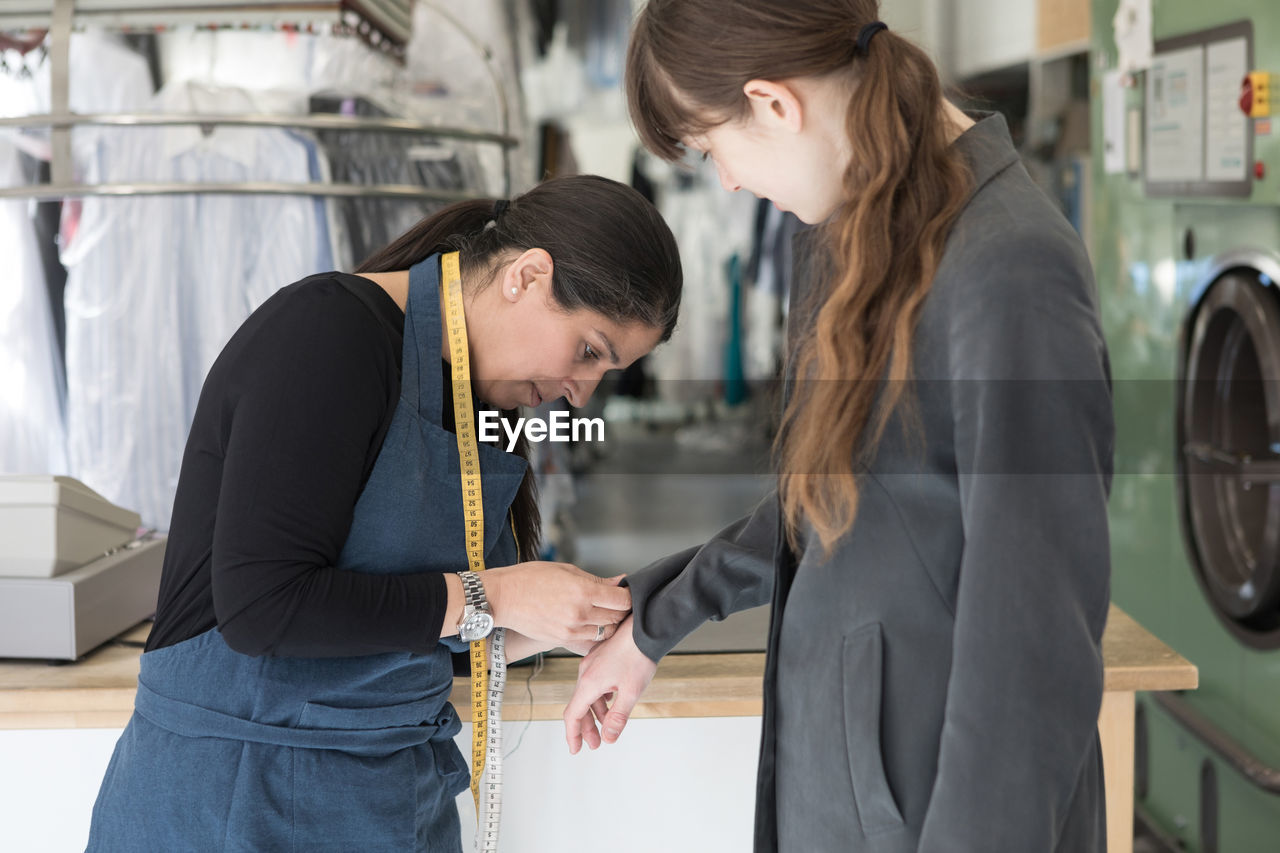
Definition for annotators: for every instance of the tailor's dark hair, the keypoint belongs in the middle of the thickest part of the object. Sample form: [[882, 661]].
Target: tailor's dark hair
[[611, 253], [687, 65]]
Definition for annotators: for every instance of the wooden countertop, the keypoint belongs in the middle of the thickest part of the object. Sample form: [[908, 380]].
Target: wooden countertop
[[1134, 659], [97, 691]]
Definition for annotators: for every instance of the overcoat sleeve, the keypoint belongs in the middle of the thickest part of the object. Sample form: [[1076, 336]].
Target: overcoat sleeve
[[1031, 403], [731, 572], [735, 570]]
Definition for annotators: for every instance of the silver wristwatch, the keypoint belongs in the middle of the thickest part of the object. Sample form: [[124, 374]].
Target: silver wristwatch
[[477, 618]]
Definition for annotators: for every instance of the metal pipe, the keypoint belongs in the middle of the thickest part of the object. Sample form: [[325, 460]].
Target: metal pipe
[[392, 19], [404, 192], [61, 169], [62, 119], [309, 122], [1257, 771], [1153, 835]]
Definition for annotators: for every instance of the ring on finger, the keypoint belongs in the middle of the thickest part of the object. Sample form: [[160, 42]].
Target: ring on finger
[[599, 633]]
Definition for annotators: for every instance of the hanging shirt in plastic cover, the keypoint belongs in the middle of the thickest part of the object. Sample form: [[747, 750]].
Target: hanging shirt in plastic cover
[[157, 284], [361, 157], [32, 427], [361, 77], [449, 77], [33, 431]]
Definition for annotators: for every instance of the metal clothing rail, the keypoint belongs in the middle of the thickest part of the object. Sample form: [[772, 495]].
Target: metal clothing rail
[[59, 15], [391, 19], [402, 192], [308, 122], [63, 188]]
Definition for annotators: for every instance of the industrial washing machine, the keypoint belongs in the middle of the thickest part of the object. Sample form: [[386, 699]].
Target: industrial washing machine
[[1185, 239]]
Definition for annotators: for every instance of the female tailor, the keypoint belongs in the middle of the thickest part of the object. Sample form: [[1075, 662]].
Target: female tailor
[[294, 692]]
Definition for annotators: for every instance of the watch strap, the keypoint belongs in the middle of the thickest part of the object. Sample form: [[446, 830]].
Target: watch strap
[[473, 590]]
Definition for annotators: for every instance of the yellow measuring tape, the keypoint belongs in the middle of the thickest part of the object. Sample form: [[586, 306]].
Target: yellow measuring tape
[[473, 521]]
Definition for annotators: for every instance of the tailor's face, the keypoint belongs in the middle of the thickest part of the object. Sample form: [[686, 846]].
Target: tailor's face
[[525, 349], [786, 149]]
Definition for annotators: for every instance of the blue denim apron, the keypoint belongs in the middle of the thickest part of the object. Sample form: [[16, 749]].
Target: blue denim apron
[[229, 752]]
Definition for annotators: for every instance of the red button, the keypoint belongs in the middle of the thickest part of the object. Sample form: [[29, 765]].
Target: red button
[[1246, 96], [1259, 170]]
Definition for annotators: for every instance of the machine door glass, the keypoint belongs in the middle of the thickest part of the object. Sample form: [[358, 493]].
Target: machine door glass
[[1229, 437]]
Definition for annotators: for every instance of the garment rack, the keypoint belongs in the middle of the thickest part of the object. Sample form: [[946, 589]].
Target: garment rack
[[402, 192], [385, 24], [62, 185], [67, 189]]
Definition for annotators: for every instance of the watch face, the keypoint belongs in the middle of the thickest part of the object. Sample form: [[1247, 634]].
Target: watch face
[[476, 626]]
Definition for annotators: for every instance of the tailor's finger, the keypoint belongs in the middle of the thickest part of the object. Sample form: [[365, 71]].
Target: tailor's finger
[[611, 597], [603, 616]]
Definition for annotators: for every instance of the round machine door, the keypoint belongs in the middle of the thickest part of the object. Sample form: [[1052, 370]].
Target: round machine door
[[1229, 460]]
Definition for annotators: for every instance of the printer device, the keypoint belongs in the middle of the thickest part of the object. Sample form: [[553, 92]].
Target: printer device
[[74, 571]]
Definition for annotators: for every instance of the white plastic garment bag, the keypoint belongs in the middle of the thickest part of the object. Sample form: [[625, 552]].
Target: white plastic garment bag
[[124, 385], [33, 435], [157, 284], [463, 61], [32, 429]]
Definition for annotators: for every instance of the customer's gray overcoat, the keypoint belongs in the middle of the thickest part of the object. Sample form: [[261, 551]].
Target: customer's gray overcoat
[[935, 684]]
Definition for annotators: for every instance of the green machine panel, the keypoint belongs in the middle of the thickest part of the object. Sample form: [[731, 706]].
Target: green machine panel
[[1166, 252]]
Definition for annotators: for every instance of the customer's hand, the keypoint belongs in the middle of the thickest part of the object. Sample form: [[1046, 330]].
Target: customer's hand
[[556, 604], [614, 670]]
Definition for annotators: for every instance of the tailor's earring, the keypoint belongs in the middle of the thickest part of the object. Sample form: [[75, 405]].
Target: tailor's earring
[[515, 291]]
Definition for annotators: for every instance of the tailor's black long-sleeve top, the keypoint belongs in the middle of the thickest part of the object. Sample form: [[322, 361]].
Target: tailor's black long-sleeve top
[[286, 433]]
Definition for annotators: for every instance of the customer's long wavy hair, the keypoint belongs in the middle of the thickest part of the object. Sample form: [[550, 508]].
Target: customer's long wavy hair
[[687, 64]]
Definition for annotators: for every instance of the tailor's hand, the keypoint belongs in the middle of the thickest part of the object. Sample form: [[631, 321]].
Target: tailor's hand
[[519, 647], [555, 604], [615, 670]]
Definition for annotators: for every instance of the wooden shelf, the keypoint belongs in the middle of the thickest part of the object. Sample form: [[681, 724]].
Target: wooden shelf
[[98, 690], [1060, 23]]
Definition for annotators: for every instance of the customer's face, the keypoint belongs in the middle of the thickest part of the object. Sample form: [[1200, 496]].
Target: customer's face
[[790, 146]]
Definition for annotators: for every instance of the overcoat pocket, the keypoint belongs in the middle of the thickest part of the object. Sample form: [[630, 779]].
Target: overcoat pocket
[[862, 659]]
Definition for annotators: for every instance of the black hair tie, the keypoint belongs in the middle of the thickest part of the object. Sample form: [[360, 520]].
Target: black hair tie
[[500, 207], [866, 34]]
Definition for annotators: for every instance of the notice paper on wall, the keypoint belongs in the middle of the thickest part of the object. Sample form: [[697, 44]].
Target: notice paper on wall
[[1175, 116], [1197, 141], [1226, 143]]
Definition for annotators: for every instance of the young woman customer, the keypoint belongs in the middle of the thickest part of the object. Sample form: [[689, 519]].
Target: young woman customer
[[294, 692], [936, 552]]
